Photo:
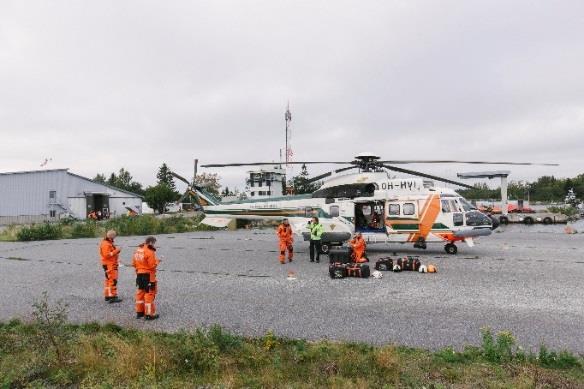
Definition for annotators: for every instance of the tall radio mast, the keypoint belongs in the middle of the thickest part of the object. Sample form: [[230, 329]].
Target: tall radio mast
[[288, 118]]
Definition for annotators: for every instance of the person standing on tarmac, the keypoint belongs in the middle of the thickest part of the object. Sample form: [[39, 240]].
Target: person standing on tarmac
[[316, 231], [110, 261], [145, 263], [285, 235]]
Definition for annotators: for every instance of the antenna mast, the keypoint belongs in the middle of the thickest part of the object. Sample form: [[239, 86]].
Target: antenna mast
[[288, 119]]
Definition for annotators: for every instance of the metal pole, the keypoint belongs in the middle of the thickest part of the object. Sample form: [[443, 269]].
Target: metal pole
[[504, 207]]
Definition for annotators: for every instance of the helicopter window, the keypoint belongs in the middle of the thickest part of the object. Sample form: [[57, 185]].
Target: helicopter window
[[308, 211], [454, 206], [458, 219], [466, 205], [334, 210], [366, 209], [446, 206], [409, 209], [393, 209]]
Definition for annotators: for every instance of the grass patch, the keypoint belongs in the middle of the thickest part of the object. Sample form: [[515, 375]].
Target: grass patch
[[124, 225], [50, 352]]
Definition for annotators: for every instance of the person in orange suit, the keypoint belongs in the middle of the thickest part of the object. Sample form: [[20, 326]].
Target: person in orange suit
[[286, 237], [145, 262], [109, 260], [358, 244]]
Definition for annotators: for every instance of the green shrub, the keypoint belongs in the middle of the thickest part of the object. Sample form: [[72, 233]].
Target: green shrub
[[87, 229], [196, 352], [45, 231], [224, 340], [561, 360], [500, 349]]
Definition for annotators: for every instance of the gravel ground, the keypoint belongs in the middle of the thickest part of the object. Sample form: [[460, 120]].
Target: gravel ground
[[528, 280]]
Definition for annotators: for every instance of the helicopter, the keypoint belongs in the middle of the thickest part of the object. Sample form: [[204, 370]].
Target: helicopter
[[382, 208]]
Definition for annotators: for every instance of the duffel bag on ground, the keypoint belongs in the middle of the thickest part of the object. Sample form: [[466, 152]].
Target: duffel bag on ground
[[409, 263], [337, 270], [384, 264], [340, 254], [358, 270]]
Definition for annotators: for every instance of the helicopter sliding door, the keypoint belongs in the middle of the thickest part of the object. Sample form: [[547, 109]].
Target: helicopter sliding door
[[369, 216]]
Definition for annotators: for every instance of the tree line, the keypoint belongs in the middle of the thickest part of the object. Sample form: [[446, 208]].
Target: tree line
[[545, 189]]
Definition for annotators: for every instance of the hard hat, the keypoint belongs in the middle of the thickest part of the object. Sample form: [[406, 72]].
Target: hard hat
[[377, 274], [423, 269], [432, 269], [396, 268]]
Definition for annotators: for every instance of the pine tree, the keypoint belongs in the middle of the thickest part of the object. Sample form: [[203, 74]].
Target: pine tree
[[164, 176]]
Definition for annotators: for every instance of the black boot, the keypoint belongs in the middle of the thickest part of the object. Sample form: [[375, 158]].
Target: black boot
[[139, 315], [115, 299], [151, 317]]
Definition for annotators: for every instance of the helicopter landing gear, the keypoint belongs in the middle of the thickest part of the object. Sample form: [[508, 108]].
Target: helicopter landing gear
[[420, 244], [450, 248]]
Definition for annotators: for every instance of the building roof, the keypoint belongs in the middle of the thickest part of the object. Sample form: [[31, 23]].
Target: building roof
[[74, 175]]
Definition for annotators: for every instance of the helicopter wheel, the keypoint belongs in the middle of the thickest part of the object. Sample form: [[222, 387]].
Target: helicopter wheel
[[324, 249], [450, 248]]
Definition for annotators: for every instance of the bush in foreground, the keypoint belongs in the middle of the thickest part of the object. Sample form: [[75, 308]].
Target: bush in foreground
[[53, 353]]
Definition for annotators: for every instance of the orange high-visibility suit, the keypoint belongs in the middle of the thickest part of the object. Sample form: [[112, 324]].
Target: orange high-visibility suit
[[109, 260], [358, 244], [145, 262], [286, 237]]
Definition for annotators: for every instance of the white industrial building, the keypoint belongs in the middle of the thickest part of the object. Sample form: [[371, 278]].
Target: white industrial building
[[46, 195], [265, 182]]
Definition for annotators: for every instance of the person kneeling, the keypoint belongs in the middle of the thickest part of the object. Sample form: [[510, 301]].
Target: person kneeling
[[359, 246]]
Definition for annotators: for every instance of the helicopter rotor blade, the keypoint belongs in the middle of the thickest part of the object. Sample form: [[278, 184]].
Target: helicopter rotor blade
[[327, 174], [179, 177], [276, 163], [420, 174], [469, 162]]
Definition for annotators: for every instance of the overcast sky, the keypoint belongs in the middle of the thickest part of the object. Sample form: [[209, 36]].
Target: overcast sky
[[104, 84]]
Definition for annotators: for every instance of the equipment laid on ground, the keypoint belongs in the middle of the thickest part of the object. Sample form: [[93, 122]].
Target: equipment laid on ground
[[384, 264], [423, 269], [359, 270], [397, 268], [432, 269], [411, 263], [337, 270], [341, 254], [377, 274]]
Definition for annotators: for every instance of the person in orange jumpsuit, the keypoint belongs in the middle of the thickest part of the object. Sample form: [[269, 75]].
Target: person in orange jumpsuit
[[145, 263], [358, 244], [109, 260], [286, 237]]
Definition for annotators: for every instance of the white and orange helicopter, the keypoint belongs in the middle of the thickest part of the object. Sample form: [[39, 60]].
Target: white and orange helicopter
[[370, 201]]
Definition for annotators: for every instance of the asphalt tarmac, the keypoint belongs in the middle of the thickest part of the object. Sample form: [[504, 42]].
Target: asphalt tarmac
[[528, 280]]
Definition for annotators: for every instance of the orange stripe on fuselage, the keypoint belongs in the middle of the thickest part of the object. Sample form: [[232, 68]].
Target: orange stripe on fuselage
[[428, 216]]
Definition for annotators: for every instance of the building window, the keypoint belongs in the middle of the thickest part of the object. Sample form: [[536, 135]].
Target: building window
[[269, 193], [409, 209], [52, 196], [52, 213]]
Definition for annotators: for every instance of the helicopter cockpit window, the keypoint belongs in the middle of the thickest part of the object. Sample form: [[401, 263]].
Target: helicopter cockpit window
[[409, 209], [393, 210], [446, 206], [454, 206], [467, 206]]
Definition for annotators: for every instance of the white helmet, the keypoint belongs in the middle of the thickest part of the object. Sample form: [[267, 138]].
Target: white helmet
[[377, 274], [423, 269], [396, 268]]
